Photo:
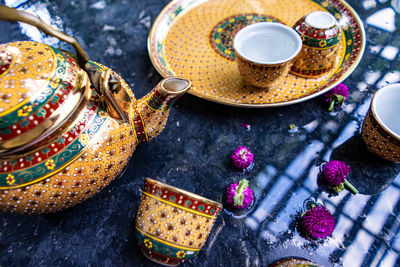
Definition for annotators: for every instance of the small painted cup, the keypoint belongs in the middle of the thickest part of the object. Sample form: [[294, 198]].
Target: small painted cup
[[265, 52], [381, 127], [321, 36], [173, 224]]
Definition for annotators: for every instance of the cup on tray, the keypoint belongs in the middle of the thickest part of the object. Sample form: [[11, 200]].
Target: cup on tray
[[381, 127], [265, 52], [321, 36], [173, 224]]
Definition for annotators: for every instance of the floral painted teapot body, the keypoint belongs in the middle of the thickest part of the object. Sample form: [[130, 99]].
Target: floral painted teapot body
[[68, 126]]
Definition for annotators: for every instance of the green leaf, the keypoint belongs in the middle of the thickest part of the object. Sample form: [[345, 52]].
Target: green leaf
[[238, 200], [239, 197], [340, 99], [243, 184], [335, 99]]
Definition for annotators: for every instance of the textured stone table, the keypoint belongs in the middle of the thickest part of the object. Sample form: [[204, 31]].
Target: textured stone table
[[193, 154]]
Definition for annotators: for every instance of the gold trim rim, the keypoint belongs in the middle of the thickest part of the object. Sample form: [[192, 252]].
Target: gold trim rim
[[187, 193], [179, 206], [265, 105]]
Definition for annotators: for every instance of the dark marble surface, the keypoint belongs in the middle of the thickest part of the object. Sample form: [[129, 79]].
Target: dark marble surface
[[193, 153]]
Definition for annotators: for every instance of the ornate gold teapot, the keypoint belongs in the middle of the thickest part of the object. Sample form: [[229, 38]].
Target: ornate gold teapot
[[68, 126]]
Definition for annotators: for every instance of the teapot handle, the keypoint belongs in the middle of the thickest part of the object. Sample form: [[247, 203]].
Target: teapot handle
[[14, 15]]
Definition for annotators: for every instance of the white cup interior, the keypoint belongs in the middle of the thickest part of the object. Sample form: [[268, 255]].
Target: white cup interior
[[386, 107], [267, 43], [320, 20]]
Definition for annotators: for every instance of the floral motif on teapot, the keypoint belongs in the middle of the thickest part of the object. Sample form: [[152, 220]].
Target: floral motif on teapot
[[42, 163]]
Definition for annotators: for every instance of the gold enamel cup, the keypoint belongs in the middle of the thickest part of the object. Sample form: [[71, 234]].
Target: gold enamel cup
[[381, 127], [265, 51], [321, 36], [173, 224]]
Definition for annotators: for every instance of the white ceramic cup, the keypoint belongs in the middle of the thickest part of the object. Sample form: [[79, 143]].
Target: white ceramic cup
[[381, 127], [265, 51]]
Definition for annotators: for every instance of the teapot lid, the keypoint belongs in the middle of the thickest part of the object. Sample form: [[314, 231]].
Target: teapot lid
[[37, 92], [25, 67]]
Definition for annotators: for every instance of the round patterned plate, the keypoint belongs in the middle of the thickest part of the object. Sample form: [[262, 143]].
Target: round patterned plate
[[193, 39]]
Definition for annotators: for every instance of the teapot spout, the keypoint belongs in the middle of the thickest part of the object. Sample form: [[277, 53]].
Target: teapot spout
[[150, 114]]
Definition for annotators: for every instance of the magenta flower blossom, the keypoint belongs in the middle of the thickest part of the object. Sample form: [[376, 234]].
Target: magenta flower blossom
[[340, 89], [239, 195], [335, 173], [318, 222], [338, 95], [242, 157]]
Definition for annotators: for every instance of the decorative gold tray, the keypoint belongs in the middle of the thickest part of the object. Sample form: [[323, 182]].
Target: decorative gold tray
[[193, 39]]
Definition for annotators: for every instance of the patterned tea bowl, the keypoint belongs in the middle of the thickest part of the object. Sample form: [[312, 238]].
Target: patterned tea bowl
[[321, 35], [381, 127], [265, 52], [173, 224]]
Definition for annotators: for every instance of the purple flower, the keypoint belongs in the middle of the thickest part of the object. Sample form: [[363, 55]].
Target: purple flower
[[239, 195], [340, 89], [335, 172], [242, 157], [318, 222], [338, 95]]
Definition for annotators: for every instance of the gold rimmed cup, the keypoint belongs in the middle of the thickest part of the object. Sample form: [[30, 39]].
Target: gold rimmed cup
[[381, 127], [173, 224], [265, 52], [321, 37]]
